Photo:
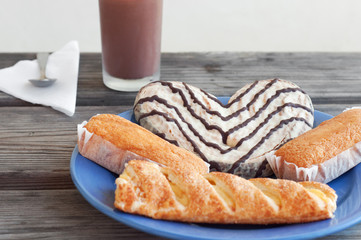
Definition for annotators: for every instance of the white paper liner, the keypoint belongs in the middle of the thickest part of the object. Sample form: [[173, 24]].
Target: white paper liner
[[346, 109], [324, 172], [82, 130], [103, 152]]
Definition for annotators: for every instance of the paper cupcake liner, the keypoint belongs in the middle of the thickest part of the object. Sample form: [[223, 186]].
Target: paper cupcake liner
[[324, 172], [108, 155]]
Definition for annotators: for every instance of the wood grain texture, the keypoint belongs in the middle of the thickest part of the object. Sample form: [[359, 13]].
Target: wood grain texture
[[57, 214], [38, 198], [326, 77]]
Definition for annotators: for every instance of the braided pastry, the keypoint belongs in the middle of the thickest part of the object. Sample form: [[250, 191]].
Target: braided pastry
[[173, 194]]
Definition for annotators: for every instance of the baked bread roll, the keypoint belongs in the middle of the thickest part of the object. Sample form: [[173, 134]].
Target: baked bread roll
[[323, 153], [111, 141], [163, 193], [232, 138]]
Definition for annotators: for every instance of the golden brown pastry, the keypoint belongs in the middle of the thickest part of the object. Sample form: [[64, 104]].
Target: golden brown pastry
[[111, 141], [164, 193], [323, 153]]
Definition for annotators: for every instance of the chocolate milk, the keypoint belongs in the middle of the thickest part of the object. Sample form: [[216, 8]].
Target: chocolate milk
[[131, 32]]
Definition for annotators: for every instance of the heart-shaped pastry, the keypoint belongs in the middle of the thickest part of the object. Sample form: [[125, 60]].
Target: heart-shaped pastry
[[233, 138]]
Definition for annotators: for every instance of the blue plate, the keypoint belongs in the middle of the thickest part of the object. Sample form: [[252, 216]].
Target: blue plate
[[97, 186]]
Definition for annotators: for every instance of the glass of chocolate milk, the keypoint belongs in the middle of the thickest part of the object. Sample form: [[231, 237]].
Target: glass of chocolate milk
[[131, 38]]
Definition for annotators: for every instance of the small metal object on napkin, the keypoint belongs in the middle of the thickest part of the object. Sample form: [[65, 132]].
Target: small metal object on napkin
[[43, 81]]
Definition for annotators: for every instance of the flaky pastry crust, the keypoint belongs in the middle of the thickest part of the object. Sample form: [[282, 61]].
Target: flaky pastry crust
[[164, 193]]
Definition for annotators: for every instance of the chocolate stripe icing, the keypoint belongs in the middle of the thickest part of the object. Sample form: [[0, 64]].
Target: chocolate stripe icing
[[235, 114], [252, 150], [187, 95], [243, 158], [237, 99], [212, 127], [219, 102], [194, 145]]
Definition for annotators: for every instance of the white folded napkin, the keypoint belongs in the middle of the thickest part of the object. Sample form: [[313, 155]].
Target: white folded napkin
[[62, 64]]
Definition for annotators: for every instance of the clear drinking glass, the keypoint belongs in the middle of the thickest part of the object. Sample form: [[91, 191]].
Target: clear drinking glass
[[131, 39]]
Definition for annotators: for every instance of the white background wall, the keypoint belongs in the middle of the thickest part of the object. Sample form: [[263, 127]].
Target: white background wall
[[192, 25]]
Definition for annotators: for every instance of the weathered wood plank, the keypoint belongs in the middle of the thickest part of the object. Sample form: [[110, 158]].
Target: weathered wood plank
[[327, 77], [36, 144], [57, 214]]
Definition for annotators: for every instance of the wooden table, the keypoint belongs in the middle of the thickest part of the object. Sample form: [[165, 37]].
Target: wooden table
[[38, 198]]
